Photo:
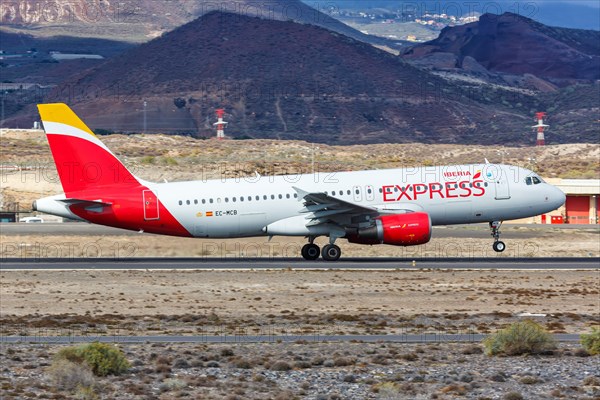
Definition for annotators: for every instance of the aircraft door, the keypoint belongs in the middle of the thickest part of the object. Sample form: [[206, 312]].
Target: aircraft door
[[502, 187], [357, 193], [150, 205]]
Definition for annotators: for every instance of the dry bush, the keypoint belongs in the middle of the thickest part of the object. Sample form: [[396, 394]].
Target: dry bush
[[103, 359], [513, 396], [591, 341], [68, 375], [280, 366], [525, 337]]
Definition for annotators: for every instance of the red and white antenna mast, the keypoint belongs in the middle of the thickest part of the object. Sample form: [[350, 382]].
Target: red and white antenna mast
[[541, 140], [220, 124]]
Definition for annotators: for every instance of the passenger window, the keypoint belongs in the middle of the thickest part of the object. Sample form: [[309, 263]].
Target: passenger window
[[272, 197], [295, 195], [257, 198], [287, 196], [280, 197], [265, 197], [180, 202], [211, 201], [203, 201], [368, 191], [226, 199], [235, 200], [188, 202]]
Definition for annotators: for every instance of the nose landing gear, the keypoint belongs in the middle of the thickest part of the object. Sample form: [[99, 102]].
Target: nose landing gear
[[498, 245]]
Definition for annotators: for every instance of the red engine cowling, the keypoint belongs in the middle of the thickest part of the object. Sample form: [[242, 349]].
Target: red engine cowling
[[399, 230]]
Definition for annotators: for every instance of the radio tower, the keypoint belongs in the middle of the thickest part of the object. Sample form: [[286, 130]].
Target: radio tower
[[220, 124], [541, 141]]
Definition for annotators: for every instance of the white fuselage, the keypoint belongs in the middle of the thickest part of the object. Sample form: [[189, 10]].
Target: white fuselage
[[449, 194]]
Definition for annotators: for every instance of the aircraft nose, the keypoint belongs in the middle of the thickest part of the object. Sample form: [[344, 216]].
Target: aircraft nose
[[558, 197]]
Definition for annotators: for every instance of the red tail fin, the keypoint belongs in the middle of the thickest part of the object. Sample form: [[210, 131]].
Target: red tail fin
[[83, 162]]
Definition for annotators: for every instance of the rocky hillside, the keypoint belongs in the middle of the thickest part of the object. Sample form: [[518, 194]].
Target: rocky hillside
[[512, 44], [138, 20], [292, 81]]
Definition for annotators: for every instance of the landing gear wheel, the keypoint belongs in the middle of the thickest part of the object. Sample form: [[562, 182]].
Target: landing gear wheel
[[310, 251], [499, 246], [331, 252]]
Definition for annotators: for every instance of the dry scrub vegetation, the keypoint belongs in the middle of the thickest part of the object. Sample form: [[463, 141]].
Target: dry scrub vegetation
[[288, 371]]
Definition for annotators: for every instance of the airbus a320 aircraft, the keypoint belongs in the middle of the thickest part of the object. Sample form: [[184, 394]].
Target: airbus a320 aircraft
[[396, 207]]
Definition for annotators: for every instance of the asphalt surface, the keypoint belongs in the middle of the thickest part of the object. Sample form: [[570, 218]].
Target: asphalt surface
[[297, 263], [268, 338], [458, 231]]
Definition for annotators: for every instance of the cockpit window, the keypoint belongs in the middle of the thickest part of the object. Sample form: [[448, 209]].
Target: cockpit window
[[533, 180]]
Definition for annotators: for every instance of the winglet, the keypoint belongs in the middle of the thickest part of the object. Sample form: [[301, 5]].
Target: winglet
[[301, 193]]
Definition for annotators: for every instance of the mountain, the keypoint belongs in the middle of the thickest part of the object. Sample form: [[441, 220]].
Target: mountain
[[512, 44], [284, 80], [279, 79], [135, 20]]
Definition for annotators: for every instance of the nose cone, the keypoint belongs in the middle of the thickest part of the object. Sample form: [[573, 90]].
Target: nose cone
[[557, 197]]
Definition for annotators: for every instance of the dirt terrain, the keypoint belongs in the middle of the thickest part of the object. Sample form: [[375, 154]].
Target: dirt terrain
[[346, 301], [287, 303]]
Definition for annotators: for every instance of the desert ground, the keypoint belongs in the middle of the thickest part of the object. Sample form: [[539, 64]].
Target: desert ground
[[289, 302]]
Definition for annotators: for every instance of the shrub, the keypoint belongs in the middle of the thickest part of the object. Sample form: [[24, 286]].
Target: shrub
[[526, 337], [281, 366], [591, 341], [513, 396], [103, 359], [68, 375]]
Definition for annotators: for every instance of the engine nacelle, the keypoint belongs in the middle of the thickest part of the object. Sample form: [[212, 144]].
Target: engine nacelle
[[409, 229]]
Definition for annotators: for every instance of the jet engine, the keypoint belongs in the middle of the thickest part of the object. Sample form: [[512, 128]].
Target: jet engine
[[399, 230]]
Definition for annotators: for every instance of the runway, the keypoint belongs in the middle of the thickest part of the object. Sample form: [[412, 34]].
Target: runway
[[267, 338], [516, 231], [504, 263]]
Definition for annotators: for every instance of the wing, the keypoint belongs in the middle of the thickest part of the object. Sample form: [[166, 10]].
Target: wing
[[320, 208]]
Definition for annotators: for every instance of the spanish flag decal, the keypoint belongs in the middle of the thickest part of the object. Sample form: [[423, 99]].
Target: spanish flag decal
[[209, 213]]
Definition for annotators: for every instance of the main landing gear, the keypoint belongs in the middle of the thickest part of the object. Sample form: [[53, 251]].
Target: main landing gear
[[311, 251], [498, 245]]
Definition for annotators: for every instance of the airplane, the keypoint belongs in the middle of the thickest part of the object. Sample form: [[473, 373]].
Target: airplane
[[395, 206]]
